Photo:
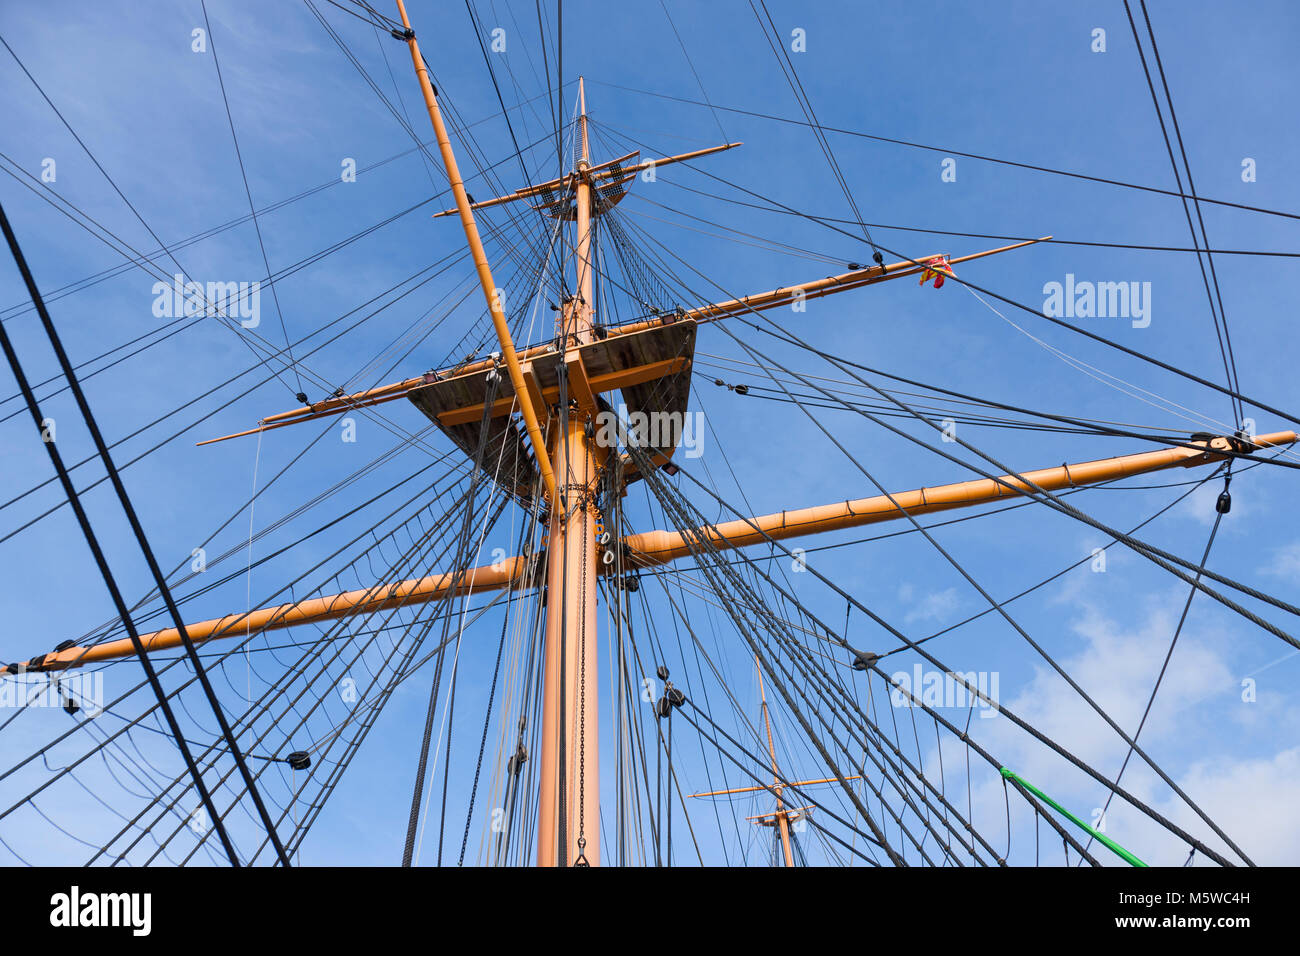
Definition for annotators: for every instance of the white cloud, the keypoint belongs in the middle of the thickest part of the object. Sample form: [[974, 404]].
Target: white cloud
[[1285, 562], [1250, 798], [1248, 794], [1117, 667], [937, 606]]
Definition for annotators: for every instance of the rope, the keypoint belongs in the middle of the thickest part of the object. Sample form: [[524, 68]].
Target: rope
[[422, 765], [66, 481], [1220, 511]]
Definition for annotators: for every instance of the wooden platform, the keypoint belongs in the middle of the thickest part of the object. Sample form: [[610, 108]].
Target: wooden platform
[[651, 368]]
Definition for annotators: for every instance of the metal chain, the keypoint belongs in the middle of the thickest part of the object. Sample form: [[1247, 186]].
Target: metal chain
[[582, 688]]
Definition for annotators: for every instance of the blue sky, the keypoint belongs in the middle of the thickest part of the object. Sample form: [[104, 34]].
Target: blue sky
[[1012, 80]]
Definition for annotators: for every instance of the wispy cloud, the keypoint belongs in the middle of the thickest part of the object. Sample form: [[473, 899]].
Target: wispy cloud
[[936, 606], [1285, 562]]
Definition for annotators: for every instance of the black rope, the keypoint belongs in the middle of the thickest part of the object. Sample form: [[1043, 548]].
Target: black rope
[[1220, 328], [948, 152], [1190, 376], [1220, 510], [138, 531], [458, 577], [257, 226], [994, 603], [66, 481]]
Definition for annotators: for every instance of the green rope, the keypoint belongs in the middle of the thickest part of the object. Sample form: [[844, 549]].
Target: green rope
[[1097, 834]]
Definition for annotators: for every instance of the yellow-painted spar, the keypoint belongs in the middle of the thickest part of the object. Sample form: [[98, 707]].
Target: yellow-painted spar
[[759, 301], [363, 601], [490, 291], [660, 547], [789, 814], [797, 783], [595, 173], [820, 287], [651, 548]]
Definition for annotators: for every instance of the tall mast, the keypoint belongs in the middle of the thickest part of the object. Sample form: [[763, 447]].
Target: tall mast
[[585, 219], [568, 819], [782, 818]]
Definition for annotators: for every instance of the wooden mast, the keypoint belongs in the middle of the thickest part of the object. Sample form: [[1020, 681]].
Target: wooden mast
[[782, 818], [783, 815], [568, 818], [490, 290], [568, 812]]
